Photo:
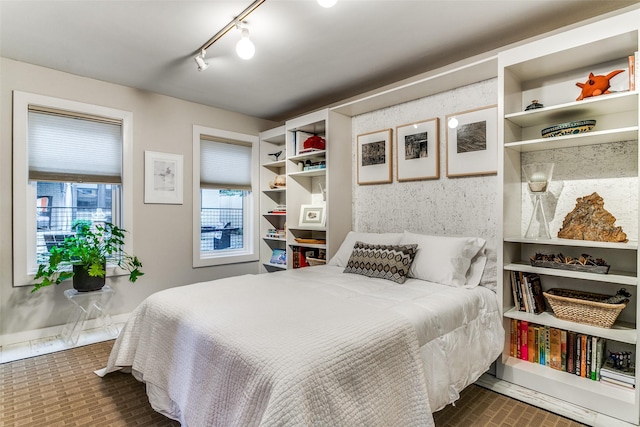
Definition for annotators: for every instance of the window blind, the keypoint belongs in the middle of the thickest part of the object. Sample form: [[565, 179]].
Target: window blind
[[73, 148], [225, 165]]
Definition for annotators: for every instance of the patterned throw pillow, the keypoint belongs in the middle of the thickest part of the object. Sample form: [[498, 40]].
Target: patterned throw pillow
[[391, 262]]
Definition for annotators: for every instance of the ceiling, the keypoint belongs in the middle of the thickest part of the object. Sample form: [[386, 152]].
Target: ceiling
[[306, 56]]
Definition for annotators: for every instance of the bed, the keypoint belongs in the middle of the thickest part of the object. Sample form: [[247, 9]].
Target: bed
[[337, 345]]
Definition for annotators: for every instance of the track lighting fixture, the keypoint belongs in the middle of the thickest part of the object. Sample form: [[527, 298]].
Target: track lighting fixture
[[234, 23], [200, 60], [245, 48], [327, 3]]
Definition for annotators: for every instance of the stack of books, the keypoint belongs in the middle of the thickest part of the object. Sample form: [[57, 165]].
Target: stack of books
[[619, 377], [279, 210], [527, 292]]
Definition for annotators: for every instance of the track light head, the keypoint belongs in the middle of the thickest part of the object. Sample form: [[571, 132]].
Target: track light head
[[202, 65], [245, 48]]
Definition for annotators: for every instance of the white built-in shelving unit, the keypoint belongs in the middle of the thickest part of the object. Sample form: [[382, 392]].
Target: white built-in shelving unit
[[548, 69], [304, 187], [271, 141]]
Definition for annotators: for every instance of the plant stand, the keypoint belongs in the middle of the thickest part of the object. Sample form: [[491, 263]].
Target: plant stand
[[86, 305]]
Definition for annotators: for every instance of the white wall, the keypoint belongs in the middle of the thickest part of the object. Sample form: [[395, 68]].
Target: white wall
[[162, 233], [464, 206]]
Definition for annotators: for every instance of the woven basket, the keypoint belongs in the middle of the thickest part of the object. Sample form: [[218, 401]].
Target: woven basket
[[583, 307]]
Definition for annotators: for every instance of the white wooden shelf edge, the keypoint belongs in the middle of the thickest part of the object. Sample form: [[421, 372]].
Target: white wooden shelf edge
[[308, 245], [314, 172], [597, 106], [582, 139], [278, 164], [281, 266], [630, 245], [621, 331], [618, 277], [318, 153], [584, 384]]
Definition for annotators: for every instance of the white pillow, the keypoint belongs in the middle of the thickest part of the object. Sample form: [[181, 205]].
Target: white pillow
[[453, 261], [341, 258]]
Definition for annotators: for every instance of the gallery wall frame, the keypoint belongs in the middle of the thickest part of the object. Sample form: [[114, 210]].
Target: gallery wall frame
[[417, 150], [472, 142], [163, 178], [375, 157]]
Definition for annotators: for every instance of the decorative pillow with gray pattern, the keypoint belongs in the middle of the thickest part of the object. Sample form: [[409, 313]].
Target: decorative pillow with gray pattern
[[390, 262]]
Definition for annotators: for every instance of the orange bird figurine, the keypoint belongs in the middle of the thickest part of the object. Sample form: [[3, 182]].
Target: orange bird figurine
[[596, 85]]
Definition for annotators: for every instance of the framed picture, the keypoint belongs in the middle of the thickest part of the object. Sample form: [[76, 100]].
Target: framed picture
[[163, 178], [417, 150], [472, 142], [374, 157], [312, 216]]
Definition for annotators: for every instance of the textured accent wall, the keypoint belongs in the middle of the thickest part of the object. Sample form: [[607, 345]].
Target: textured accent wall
[[465, 206]]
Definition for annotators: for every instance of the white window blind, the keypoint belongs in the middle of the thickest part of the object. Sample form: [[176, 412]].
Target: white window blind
[[74, 148], [225, 165]]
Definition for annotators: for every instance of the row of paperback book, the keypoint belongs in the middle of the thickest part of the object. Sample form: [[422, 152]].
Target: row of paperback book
[[579, 354], [527, 292]]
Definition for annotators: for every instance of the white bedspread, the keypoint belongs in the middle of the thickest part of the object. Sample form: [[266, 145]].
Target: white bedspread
[[311, 346]]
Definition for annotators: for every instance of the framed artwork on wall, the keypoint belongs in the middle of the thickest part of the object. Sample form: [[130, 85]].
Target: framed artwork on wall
[[375, 152], [472, 142], [163, 178], [417, 150]]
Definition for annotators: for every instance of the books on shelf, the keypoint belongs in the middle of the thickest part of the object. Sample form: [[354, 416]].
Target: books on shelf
[[568, 351], [276, 233], [304, 257], [527, 292], [278, 256], [279, 210], [625, 376]]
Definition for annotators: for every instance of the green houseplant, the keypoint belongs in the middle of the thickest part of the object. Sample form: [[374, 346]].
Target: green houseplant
[[84, 257]]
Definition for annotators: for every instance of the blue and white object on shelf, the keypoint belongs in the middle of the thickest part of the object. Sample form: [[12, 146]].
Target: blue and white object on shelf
[[568, 128]]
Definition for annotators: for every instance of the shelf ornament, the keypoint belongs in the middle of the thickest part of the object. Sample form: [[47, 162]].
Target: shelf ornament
[[589, 220], [538, 176], [596, 85]]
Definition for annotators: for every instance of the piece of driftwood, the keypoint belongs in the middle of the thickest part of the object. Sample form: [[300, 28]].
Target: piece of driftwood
[[589, 220]]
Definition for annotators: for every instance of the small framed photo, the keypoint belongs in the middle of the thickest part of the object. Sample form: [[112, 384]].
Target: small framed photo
[[312, 216], [417, 150], [472, 142], [375, 157], [163, 178]]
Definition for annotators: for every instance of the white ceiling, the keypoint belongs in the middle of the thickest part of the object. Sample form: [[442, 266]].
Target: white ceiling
[[306, 57]]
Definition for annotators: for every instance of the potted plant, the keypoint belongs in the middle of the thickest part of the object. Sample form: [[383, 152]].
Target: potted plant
[[84, 257]]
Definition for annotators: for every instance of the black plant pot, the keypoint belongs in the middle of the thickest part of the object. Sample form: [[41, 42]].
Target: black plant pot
[[82, 282]]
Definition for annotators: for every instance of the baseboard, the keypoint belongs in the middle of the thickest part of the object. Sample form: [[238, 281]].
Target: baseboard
[[540, 400], [37, 334]]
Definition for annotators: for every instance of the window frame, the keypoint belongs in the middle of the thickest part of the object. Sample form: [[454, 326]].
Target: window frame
[[24, 193], [231, 256]]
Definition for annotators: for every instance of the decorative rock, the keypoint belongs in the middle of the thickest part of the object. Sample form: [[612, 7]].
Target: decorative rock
[[589, 220]]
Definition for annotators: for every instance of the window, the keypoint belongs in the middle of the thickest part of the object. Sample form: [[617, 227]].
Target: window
[[225, 200], [71, 161]]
